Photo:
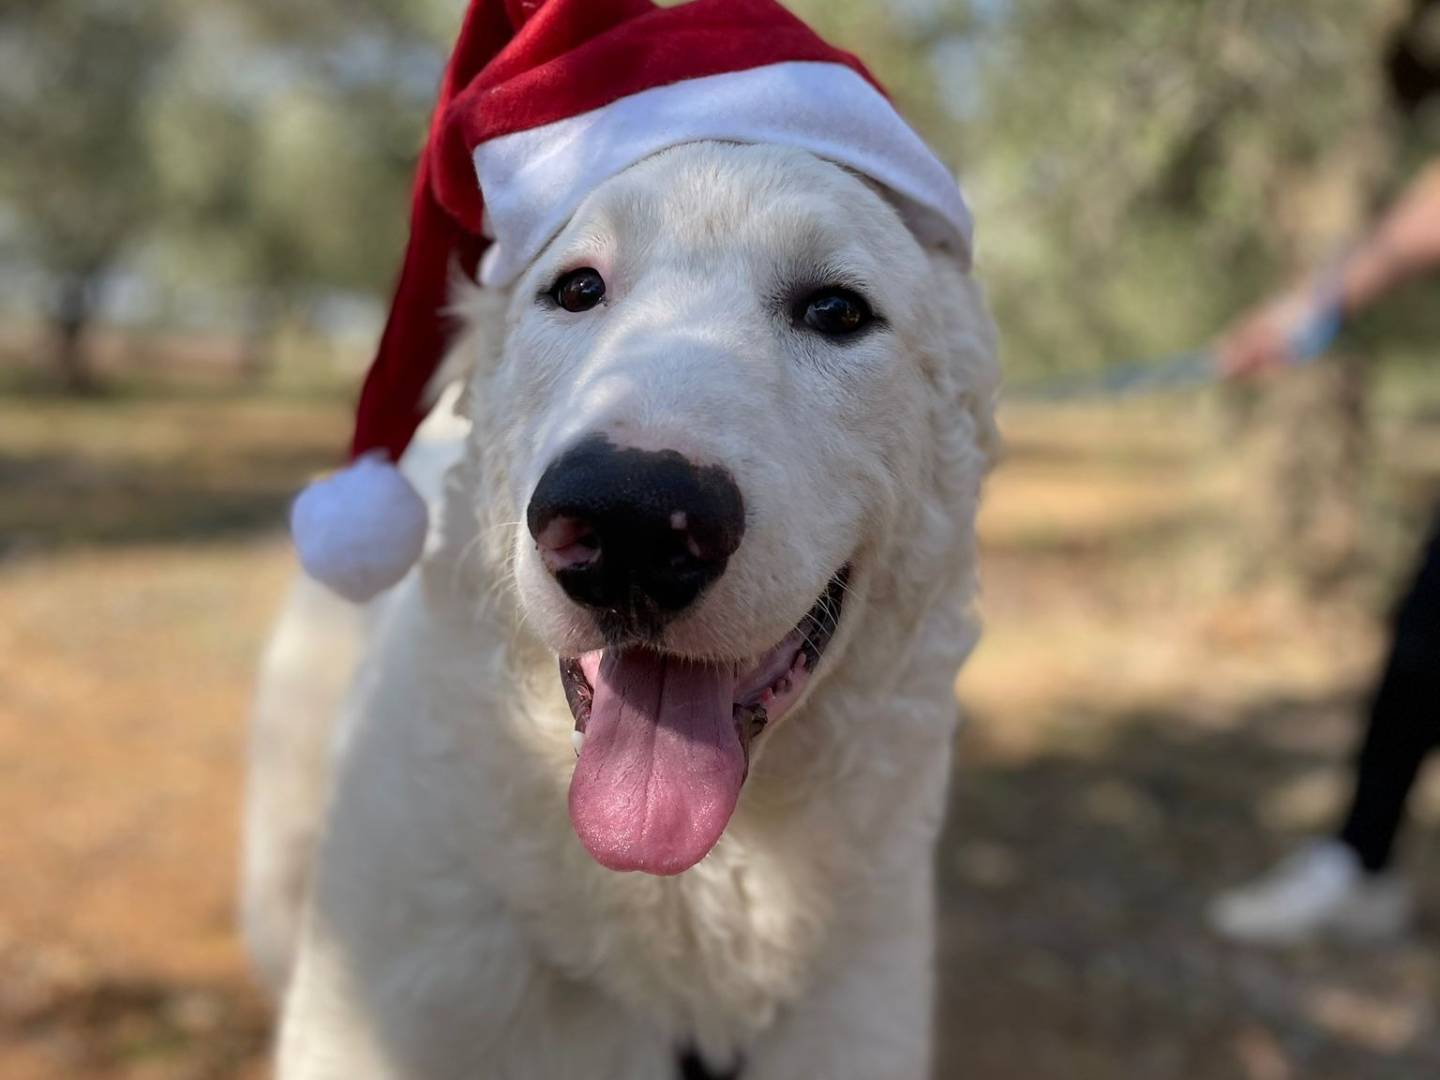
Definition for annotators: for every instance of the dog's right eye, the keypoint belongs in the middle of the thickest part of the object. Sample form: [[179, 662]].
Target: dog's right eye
[[835, 312], [579, 290]]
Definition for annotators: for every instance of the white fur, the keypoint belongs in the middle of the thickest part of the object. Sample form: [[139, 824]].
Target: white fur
[[308, 664], [455, 927]]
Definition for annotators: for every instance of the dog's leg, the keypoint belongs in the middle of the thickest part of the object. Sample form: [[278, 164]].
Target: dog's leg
[[410, 966], [307, 668], [306, 672], [457, 1000], [872, 1016]]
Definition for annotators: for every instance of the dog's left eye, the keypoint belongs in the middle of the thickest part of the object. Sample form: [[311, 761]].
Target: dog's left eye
[[579, 290], [836, 312]]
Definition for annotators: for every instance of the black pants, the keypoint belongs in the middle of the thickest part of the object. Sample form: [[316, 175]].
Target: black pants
[[1404, 718]]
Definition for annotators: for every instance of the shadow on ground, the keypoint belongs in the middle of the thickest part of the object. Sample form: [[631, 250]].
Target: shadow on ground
[[121, 472], [1073, 885], [98, 1029]]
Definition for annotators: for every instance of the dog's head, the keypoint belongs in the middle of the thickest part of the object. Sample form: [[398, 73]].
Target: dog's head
[[735, 393]]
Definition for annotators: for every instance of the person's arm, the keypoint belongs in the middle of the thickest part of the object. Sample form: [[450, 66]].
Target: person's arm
[[1404, 244]]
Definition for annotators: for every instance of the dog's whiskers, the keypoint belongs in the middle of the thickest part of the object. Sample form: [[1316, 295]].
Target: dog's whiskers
[[458, 568]]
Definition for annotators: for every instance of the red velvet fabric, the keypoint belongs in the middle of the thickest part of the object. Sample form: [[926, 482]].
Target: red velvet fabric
[[521, 64]]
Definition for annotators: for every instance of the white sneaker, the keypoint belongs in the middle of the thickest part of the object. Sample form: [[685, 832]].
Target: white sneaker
[[1321, 890]]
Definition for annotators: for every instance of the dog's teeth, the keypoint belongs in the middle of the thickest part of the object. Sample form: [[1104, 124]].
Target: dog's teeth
[[577, 740]]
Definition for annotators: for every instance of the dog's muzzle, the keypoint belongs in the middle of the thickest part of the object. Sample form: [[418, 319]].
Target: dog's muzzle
[[636, 536]]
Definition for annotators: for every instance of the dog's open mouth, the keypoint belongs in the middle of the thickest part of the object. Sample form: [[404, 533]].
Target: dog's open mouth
[[664, 742]]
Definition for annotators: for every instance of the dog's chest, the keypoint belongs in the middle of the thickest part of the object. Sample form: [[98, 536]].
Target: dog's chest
[[713, 955]]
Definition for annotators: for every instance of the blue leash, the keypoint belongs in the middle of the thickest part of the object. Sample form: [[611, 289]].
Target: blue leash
[[1186, 370]]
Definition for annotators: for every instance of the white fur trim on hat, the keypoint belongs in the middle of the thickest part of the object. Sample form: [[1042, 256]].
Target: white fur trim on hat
[[535, 180], [359, 530]]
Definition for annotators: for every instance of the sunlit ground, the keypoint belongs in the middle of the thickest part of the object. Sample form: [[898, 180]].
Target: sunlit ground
[[1147, 723]]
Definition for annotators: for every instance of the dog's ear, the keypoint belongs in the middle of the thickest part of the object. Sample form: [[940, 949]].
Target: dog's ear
[[963, 363]]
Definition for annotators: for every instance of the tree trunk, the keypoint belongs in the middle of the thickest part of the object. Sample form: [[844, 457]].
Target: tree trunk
[[263, 313], [73, 311], [1313, 442], [1314, 449]]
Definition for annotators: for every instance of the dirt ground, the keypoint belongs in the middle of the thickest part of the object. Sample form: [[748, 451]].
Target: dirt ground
[[1145, 725]]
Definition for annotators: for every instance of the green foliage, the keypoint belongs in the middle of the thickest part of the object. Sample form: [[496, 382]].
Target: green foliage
[[75, 79], [1139, 171], [287, 136], [1144, 170]]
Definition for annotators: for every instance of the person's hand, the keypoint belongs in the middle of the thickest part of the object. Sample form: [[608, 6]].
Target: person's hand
[[1300, 324], [1264, 338]]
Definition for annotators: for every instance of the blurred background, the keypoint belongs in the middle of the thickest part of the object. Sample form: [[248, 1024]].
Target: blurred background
[[201, 210]]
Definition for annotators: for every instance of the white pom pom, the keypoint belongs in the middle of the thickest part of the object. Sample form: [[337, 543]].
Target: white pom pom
[[359, 530]]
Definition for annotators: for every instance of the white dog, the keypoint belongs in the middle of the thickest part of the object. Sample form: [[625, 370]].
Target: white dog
[[712, 526]]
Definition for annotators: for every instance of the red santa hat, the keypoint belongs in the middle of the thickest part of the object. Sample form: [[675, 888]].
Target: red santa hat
[[543, 101]]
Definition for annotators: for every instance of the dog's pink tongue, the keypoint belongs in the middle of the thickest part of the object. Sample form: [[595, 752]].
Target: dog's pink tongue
[[662, 765]]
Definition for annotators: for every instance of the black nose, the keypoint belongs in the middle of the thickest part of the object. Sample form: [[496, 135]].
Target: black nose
[[635, 534]]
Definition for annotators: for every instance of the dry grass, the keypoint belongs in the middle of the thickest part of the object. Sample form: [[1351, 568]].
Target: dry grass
[[1146, 725], [143, 563]]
